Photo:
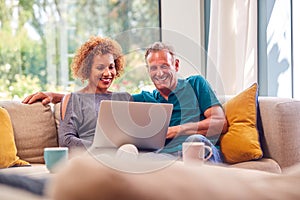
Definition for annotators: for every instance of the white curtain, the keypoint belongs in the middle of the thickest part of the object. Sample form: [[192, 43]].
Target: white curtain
[[232, 47]]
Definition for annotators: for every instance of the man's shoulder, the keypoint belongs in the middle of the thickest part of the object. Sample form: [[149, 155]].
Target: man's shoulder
[[145, 96], [196, 80]]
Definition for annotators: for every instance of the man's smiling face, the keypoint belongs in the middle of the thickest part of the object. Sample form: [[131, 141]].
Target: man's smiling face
[[162, 68]]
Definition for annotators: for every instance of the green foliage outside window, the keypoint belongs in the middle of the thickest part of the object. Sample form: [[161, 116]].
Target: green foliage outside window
[[38, 39]]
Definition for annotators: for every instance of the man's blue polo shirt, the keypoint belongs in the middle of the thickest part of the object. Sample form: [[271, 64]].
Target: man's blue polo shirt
[[190, 99]]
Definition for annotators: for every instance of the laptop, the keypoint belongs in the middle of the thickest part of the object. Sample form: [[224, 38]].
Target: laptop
[[144, 125]]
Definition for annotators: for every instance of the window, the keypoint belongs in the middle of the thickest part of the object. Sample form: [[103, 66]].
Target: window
[[296, 48], [38, 40], [278, 48]]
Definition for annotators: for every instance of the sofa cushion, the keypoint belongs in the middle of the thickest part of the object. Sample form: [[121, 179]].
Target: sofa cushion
[[241, 142], [8, 150], [13, 193], [264, 164], [34, 129]]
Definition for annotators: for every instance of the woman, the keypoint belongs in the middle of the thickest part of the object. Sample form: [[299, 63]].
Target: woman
[[98, 61]]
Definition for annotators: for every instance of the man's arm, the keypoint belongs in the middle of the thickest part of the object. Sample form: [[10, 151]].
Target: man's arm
[[44, 97], [215, 123]]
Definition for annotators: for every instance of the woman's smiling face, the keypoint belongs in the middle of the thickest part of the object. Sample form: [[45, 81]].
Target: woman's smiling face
[[103, 72]]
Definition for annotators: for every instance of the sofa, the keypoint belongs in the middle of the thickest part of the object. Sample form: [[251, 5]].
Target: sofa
[[35, 127]]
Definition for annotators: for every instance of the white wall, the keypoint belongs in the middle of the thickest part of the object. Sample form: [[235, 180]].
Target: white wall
[[183, 26]]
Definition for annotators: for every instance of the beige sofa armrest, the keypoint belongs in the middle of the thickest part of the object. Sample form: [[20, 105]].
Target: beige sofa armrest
[[280, 122]]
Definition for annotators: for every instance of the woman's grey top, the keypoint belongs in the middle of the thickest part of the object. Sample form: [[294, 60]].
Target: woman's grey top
[[78, 127]]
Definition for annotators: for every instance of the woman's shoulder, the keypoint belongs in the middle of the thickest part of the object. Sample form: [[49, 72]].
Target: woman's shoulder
[[64, 104], [78, 97], [72, 102], [121, 96]]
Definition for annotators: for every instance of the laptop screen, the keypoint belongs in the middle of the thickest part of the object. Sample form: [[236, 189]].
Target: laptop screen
[[143, 124]]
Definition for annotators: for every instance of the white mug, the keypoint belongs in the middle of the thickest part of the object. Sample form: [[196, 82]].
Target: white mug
[[194, 152]]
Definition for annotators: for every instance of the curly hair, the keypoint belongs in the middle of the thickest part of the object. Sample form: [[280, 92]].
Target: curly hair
[[83, 60]]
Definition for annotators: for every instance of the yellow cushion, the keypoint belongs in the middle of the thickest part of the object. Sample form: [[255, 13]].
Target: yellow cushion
[[241, 142], [8, 150]]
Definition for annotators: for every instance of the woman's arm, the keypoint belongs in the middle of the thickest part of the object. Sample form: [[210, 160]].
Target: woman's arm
[[67, 131]]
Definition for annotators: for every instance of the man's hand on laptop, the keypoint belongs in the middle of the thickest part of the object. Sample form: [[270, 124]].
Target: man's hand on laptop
[[173, 131]]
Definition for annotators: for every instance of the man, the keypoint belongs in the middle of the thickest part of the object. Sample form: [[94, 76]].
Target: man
[[197, 113]]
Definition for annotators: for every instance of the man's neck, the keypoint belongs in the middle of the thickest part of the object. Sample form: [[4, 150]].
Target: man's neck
[[164, 93]]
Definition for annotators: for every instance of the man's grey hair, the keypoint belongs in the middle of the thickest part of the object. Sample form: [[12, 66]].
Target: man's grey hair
[[158, 46]]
